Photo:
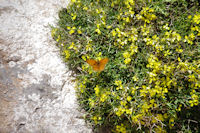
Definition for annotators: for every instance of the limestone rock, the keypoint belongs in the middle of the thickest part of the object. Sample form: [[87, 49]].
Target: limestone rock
[[36, 92]]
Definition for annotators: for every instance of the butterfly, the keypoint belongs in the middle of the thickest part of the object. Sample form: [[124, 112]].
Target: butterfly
[[97, 65]]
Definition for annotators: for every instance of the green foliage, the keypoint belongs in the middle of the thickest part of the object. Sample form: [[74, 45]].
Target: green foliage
[[152, 80]]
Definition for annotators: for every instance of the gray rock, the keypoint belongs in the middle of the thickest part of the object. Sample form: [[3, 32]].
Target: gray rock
[[36, 92]]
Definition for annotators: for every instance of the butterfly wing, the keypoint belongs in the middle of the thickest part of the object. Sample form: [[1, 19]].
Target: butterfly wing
[[102, 64], [94, 64], [98, 65]]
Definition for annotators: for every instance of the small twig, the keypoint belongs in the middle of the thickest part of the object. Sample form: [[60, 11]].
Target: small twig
[[191, 121], [63, 85]]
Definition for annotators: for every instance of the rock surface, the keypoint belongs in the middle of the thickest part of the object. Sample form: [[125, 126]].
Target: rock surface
[[36, 92]]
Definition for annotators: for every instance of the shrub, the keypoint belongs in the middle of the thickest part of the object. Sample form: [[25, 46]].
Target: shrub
[[152, 80]]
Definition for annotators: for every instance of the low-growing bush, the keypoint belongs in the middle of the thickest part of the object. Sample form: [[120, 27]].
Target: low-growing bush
[[151, 82]]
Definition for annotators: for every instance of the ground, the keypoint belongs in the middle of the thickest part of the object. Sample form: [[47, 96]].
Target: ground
[[36, 91]]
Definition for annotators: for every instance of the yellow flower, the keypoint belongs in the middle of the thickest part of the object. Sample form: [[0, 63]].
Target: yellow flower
[[179, 107], [71, 46], [99, 54], [166, 53], [135, 78], [192, 36], [96, 90], [73, 1], [139, 16], [135, 118], [179, 50], [160, 117], [95, 119], [133, 90], [179, 59], [98, 31], [98, 25], [126, 54], [118, 82], [98, 11], [85, 8], [91, 102], [58, 39], [159, 129], [189, 17], [108, 27], [154, 120], [171, 122], [120, 128], [129, 98], [196, 18], [53, 32], [127, 60], [73, 16], [79, 32], [165, 116], [72, 30], [83, 57], [103, 97], [128, 111], [67, 54], [88, 47], [127, 19], [114, 33], [119, 111]]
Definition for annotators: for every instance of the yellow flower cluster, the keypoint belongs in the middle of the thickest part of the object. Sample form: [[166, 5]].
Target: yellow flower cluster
[[146, 15], [71, 29], [127, 54], [98, 30], [67, 54], [154, 41], [91, 102], [104, 96], [196, 28], [73, 16], [189, 39], [196, 18], [171, 122], [73, 47], [96, 119], [194, 99], [118, 83], [97, 91], [120, 128]]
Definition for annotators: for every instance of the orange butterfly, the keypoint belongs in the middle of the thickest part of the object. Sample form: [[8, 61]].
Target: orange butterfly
[[98, 65]]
